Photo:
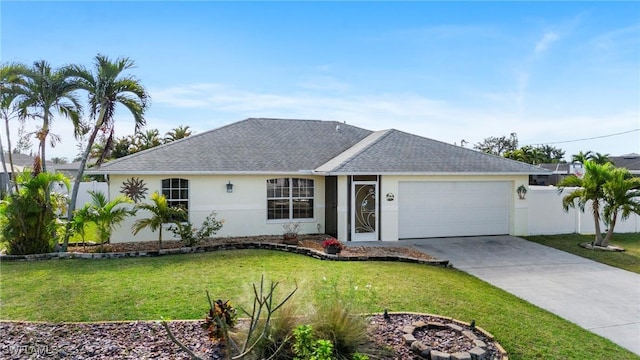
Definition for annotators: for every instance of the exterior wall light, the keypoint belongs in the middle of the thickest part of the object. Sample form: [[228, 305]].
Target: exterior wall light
[[522, 192], [229, 187]]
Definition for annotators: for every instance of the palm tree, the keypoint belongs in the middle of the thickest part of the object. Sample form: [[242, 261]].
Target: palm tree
[[10, 82], [107, 87], [161, 213], [59, 160], [107, 214], [45, 90], [79, 222], [622, 196], [581, 157], [178, 133], [599, 158], [589, 188], [148, 139]]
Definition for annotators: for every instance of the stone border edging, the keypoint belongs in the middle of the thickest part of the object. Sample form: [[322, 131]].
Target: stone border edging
[[230, 246], [476, 353]]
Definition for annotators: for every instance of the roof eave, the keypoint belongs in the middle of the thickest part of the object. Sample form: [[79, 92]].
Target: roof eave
[[400, 173], [183, 173]]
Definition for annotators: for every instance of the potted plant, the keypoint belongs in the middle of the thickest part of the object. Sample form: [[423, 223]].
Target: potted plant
[[332, 246], [290, 235]]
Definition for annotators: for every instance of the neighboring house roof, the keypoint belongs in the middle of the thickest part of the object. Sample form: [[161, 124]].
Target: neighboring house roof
[[24, 160], [309, 146], [557, 168], [629, 161], [15, 167]]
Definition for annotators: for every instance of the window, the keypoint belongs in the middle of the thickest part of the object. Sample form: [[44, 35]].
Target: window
[[177, 192], [289, 198]]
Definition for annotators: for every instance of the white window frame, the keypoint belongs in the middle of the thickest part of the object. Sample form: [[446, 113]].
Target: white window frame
[[289, 191]]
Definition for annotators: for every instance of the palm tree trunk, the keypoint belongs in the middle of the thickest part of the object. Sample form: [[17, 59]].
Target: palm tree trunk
[[76, 186], [596, 218], [160, 239], [612, 225], [5, 170], [13, 173], [43, 139], [78, 178]]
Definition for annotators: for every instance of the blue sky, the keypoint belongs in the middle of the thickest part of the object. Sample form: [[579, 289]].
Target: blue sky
[[451, 71]]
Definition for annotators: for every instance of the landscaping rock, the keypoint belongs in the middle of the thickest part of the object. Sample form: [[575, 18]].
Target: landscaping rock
[[478, 353], [469, 334], [408, 339], [479, 343], [439, 355], [419, 324], [461, 356], [408, 329]]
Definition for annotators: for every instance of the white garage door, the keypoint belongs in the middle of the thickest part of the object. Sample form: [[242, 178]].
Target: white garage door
[[439, 209]]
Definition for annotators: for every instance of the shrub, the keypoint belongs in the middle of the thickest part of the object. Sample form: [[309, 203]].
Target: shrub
[[264, 307], [346, 331], [337, 317], [29, 218], [332, 242], [276, 342], [191, 236], [220, 316]]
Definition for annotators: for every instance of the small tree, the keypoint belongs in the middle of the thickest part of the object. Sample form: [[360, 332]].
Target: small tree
[[589, 188], [621, 196], [498, 145], [161, 213], [29, 218], [107, 214]]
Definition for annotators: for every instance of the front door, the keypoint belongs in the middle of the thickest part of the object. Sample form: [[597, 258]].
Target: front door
[[364, 214]]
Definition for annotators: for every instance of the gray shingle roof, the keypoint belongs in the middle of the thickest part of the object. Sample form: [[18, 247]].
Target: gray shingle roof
[[629, 161], [251, 145], [292, 146], [402, 153]]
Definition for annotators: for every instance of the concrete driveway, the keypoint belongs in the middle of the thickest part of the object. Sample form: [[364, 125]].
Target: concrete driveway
[[600, 298]]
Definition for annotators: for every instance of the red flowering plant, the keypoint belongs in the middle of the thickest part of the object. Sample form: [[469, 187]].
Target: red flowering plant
[[332, 242]]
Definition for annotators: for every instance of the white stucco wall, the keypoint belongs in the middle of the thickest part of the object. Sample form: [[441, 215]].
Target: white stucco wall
[[244, 211]]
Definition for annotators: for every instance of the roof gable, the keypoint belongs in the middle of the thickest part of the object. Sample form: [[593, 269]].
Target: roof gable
[[402, 153]]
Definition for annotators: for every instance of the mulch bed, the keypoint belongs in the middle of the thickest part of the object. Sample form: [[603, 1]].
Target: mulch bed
[[148, 340], [305, 241]]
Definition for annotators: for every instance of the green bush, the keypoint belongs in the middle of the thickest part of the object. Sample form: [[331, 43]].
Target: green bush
[[29, 218], [337, 316], [191, 236]]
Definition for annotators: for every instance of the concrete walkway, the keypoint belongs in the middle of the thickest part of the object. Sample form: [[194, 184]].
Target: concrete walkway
[[600, 298]]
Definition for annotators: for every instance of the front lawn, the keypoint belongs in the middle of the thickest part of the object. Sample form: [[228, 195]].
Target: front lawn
[[174, 287], [627, 260]]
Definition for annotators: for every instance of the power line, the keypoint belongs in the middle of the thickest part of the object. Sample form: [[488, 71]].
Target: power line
[[590, 138]]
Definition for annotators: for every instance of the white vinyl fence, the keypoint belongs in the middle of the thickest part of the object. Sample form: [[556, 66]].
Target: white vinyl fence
[[83, 192], [546, 216]]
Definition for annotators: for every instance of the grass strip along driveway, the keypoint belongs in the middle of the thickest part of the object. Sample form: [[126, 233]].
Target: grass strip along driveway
[[174, 287], [628, 260]]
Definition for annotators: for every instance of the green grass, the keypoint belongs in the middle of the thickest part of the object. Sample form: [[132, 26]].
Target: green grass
[[174, 287], [627, 260], [90, 234]]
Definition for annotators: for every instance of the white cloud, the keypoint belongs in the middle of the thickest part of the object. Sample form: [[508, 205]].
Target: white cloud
[[207, 106], [547, 39]]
